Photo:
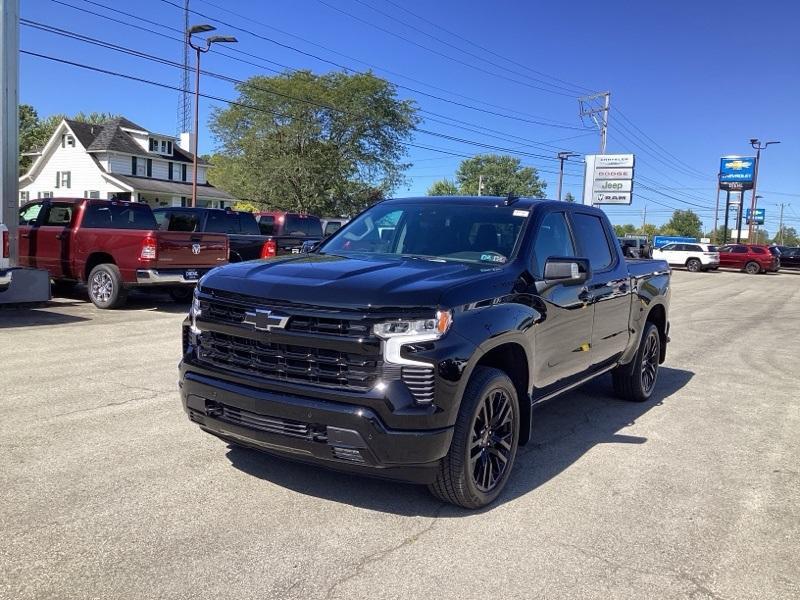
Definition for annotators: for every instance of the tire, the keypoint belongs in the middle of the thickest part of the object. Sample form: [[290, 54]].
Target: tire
[[105, 287], [479, 461], [693, 265], [752, 268], [182, 294], [636, 381]]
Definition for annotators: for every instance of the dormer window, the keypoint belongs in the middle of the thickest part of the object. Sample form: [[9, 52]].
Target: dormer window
[[160, 146], [67, 140]]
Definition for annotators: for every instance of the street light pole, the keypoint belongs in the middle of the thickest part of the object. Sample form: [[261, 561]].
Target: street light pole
[[756, 144], [562, 156], [199, 50]]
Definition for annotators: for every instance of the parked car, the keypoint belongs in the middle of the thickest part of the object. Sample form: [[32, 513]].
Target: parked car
[[290, 232], [113, 246], [790, 257], [331, 225], [635, 247], [751, 258], [245, 240], [695, 257], [5, 273], [419, 355]]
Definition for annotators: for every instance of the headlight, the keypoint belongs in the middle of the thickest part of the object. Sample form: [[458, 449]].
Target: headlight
[[431, 329], [398, 333], [194, 312]]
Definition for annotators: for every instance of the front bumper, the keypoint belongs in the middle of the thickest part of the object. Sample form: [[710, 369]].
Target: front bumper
[[336, 435], [188, 276]]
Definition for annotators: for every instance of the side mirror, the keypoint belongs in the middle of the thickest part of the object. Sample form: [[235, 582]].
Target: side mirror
[[566, 270]]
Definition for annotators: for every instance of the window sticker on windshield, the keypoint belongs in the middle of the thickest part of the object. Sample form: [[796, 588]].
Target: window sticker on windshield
[[493, 258], [521, 213]]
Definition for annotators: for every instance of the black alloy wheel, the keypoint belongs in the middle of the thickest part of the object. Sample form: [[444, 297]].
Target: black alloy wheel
[[492, 440], [649, 370]]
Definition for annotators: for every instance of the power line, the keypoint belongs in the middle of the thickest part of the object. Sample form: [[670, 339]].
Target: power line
[[347, 69], [161, 60], [488, 50], [570, 94]]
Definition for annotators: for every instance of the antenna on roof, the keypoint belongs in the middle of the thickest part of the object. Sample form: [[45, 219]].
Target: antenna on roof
[[510, 199], [185, 99]]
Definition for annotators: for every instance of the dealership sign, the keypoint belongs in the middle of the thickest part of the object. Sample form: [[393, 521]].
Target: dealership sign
[[736, 172], [758, 219], [608, 179]]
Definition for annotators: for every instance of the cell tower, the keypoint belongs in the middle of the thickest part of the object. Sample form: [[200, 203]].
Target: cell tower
[[185, 98]]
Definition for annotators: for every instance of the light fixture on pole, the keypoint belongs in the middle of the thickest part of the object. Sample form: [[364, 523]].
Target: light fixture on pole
[[203, 28], [758, 146], [562, 156]]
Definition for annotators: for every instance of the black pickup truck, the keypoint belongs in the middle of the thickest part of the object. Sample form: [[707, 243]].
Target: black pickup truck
[[414, 342], [244, 237]]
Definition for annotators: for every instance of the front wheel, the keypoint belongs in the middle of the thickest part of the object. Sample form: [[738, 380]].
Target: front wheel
[[637, 380], [693, 265], [752, 268], [182, 294], [484, 445]]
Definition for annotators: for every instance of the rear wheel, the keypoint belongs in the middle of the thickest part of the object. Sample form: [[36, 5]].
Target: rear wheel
[[693, 265], [181, 294], [484, 445], [105, 287], [637, 380], [753, 268]]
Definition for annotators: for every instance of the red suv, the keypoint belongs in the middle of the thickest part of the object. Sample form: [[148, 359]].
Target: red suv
[[751, 258]]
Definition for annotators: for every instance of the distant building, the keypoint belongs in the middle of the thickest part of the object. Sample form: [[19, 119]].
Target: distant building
[[120, 160]]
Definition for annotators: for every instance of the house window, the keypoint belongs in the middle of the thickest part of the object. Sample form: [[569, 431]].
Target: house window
[[153, 145], [149, 167], [133, 165], [67, 141], [166, 147], [63, 179], [169, 170], [44, 194], [183, 172], [94, 194], [24, 196]]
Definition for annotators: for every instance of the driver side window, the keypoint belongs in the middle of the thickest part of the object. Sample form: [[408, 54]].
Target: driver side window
[[552, 239], [29, 214]]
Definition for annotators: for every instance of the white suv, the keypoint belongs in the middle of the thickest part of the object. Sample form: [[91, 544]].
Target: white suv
[[694, 256]]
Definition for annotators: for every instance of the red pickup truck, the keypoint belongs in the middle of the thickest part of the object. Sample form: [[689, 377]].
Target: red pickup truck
[[113, 246]]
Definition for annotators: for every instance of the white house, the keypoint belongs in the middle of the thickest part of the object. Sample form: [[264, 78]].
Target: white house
[[119, 160]]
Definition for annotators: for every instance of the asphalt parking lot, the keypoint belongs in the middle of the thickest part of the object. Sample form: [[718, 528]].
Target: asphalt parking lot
[[109, 491]]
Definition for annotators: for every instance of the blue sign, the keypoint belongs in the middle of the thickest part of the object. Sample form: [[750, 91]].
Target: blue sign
[[758, 219], [663, 240], [737, 169]]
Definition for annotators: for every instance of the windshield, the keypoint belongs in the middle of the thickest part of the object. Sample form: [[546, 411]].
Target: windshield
[[459, 232]]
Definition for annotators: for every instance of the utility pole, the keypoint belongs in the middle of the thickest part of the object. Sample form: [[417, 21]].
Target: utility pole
[[780, 229], [9, 126], [588, 108], [480, 185], [716, 213], [644, 217], [756, 144], [562, 156], [185, 99]]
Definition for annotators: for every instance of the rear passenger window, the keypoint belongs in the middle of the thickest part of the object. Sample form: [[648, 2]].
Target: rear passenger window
[[267, 225], [592, 236], [552, 239], [693, 248], [59, 215], [759, 250]]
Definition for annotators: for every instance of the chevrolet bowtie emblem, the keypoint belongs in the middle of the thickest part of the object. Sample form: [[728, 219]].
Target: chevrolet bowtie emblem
[[265, 320]]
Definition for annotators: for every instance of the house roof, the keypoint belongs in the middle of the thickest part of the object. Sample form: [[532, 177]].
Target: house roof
[[111, 137], [175, 188]]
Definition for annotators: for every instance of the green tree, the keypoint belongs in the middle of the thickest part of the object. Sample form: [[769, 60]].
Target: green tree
[[328, 144], [502, 175], [621, 230], [568, 197], [683, 222], [789, 238], [443, 187]]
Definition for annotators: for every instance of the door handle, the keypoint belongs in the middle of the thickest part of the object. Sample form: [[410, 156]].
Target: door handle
[[59, 236], [24, 235]]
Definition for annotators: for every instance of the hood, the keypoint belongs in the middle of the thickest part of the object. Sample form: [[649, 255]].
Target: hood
[[365, 282]]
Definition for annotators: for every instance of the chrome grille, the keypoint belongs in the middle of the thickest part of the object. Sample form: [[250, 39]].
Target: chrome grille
[[420, 381]]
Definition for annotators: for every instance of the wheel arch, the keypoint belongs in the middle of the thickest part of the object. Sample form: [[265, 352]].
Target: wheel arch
[[94, 259], [658, 316], [512, 358]]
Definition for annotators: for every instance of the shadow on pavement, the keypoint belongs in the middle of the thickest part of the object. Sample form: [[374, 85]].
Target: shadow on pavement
[[564, 430], [34, 315], [138, 299]]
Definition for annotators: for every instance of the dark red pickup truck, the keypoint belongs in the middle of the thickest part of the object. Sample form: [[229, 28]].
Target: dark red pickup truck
[[113, 246]]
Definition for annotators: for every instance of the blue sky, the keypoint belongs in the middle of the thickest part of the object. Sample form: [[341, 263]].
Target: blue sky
[[690, 81]]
